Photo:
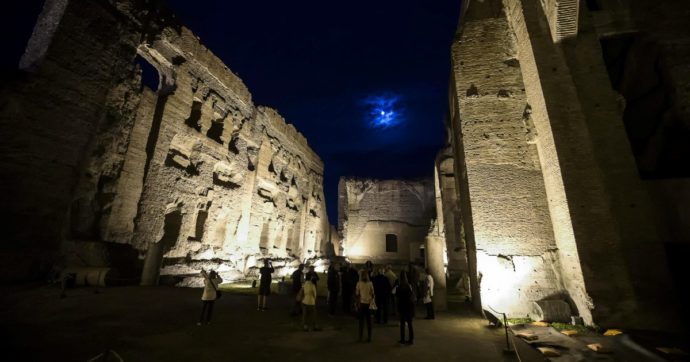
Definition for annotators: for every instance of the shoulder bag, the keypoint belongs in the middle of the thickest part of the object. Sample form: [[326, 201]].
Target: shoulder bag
[[218, 293], [300, 295]]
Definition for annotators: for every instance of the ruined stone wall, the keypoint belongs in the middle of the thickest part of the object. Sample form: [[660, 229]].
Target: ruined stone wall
[[189, 174], [516, 250], [76, 95], [448, 217], [562, 17], [606, 199], [671, 199], [370, 209], [466, 221], [586, 185]]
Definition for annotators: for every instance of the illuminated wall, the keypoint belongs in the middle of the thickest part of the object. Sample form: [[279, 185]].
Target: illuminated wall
[[512, 230], [550, 195], [184, 171], [370, 209]]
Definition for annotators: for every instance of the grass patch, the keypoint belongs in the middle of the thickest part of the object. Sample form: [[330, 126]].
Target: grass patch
[[581, 330], [518, 321], [239, 288]]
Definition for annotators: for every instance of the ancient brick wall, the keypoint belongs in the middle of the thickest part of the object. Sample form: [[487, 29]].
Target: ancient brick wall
[[513, 234], [562, 16], [370, 209], [606, 200], [585, 183], [190, 174], [449, 222], [70, 109]]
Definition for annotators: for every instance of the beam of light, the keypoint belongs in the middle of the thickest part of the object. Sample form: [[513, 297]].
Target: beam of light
[[383, 111]]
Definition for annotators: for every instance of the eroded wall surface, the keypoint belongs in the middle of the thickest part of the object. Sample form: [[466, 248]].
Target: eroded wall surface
[[369, 209], [189, 174], [539, 136], [515, 246], [449, 221]]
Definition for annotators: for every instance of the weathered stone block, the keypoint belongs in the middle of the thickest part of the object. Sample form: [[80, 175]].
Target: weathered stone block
[[227, 174]]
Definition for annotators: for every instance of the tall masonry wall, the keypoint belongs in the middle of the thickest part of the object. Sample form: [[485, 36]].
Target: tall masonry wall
[[517, 260], [449, 221], [186, 175], [538, 136], [370, 209]]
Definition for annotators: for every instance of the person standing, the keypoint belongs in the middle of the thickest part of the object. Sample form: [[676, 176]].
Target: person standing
[[369, 267], [392, 281], [309, 304], [347, 285], [364, 291], [428, 295], [311, 274], [406, 304], [297, 280], [382, 290], [265, 287], [413, 278], [211, 282], [354, 278], [333, 288]]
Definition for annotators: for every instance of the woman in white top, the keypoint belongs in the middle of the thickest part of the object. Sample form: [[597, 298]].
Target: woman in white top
[[365, 295], [428, 295], [211, 282]]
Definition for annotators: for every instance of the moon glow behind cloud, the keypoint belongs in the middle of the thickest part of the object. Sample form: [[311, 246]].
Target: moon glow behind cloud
[[383, 111]]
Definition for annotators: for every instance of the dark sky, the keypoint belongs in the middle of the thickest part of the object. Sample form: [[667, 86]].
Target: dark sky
[[326, 67]]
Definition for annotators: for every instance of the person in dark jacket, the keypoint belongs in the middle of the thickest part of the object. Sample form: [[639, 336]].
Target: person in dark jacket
[[333, 288], [354, 278], [382, 291], [297, 280], [265, 287], [413, 278], [311, 274], [406, 303], [348, 285], [369, 267]]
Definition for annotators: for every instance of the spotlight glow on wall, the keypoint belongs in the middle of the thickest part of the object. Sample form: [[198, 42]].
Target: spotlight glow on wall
[[500, 282]]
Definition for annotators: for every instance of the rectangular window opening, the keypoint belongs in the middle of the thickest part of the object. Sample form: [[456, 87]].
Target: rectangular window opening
[[391, 243]]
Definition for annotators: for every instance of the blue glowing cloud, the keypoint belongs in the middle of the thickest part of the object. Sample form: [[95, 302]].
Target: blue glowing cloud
[[383, 111]]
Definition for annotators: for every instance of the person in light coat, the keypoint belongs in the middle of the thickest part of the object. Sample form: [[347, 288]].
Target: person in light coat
[[364, 290], [309, 304], [211, 282], [428, 295]]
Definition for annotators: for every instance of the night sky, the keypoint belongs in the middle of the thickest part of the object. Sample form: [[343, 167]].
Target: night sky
[[365, 81]]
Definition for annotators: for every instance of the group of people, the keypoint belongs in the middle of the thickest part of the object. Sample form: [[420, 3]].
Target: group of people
[[304, 288], [367, 291], [361, 291]]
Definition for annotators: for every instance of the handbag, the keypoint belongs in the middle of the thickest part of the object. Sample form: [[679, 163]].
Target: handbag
[[372, 305], [218, 293], [300, 295]]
